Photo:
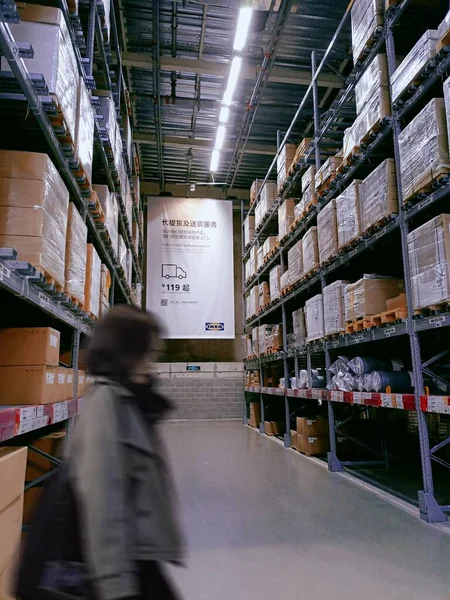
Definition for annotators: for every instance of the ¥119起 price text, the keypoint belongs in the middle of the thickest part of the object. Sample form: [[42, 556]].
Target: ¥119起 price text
[[176, 287]]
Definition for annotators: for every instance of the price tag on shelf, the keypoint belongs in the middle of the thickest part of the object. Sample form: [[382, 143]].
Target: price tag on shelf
[[60, 412], [32, 424], [336, 396], [358, 338], [438, 404], [361, 397], [27, 413], [390, 331], [44, 300], [5, 273], [316, 394], [437, 321]]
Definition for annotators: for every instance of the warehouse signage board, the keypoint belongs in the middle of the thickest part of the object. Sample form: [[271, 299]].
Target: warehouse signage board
[[190, 279]]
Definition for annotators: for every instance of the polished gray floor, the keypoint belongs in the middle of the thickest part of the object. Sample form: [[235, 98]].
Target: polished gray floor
[[264, 523]]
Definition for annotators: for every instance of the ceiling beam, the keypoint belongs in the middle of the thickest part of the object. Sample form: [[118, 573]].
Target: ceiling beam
[[199, 144], [179, 190], [209, 67]]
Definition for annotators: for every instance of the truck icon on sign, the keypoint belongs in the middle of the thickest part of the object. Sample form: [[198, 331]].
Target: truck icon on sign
[[173, 272]]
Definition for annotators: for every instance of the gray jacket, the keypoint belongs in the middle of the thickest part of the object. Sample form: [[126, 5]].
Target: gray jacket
[[124, 489]]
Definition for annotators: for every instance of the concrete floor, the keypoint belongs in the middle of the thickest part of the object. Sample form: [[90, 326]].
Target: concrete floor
[[264, 523]]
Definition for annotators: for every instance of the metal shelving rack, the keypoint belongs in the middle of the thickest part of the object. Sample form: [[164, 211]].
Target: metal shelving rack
[[410, 328], [21, 279]]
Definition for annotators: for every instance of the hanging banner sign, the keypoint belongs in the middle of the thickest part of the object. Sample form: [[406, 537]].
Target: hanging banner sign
[[190, 279]]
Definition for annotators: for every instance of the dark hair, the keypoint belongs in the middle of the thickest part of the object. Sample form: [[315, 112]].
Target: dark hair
[[121, 340]]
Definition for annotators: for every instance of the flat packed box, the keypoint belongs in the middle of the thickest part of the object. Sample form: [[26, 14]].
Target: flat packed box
[[249, 229], [285, 217], [333, 307], [269, 244], [310, 250], [348, 215], [378, 198], [295, 262], [367, 16], [28, 385], [275, 283], [284, 162], [254, 190], [299, 327], [369, 295], [76, 248], [327, 232], [255, 414], [264, 294], [308, 178], [314, 317], [274, 427], [327, 172], [29, 346], [312, 427], [105, 283]]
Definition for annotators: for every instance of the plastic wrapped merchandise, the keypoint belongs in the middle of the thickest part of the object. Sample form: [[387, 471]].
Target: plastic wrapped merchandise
[[254, 190], [367, 16], [339, 366], [84, 130], [54, 57], [248, 269], [294, 384], [105, 283], [76, 247], [423, 146], [105, 11], [360, 384], [374, 78], [315, 327], [327, 237], [333, 307], [264, 337], [327, 172], [308, 179], [368, 382], [33, 211], [263, 294], [268, 198], [299, 326], [255, 341], [295, 263], [378, 195], [258, 215], [253, 302], [360, 365], [127, 200], [368, 296], [106, 113], [285, 217], [284, 162], [136, 183], [345, 382], [269, 245], [284, 280], [274, 338], [310, 249], [111, 211], [274, 278], [93, 281], [411, 66], [122, 254], [249, 229], [348, 215], [429, 256], [129, 269], [135, 235], [253, 260], [303, 379], [398, 381], [260, 258]]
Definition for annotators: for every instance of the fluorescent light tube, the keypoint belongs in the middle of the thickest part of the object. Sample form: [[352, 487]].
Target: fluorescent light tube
[[224, 114], [220, 136], [214, 161], [232, 80], [243, 25]]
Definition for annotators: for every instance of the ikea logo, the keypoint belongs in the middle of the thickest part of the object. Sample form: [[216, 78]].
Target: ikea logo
[[215, 326]]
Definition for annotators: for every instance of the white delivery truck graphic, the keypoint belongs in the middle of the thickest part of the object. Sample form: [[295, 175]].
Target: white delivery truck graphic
[[173, 272]]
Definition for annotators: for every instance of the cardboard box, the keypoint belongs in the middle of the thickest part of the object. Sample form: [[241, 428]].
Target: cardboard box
[[264, 294], [93, 281], [28, 385], [312, 427], [274, 427], [314, 317], [84, 130], [76, 248], [368, 296], [70, 373], [110, 208], [82, 384], [29, 346], [327, 232], [294, 441], [105, 283], [397, 302], [255, 414], [7, 578], [61, 382], [313, 445]]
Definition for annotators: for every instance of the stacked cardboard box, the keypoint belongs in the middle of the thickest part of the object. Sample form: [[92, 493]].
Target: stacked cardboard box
[[255, 414], [327, 236], [123, 254], [411, 66], [33, 211], [269, 245], [378, 195], [92, 282], [429, 255], [369, 295], [267, 200], [314, 318], [135, 234], [110, 208], [309, 178], [348, 215], [333, 307], [252, 302], [295, 263], [12, 475], [84, 131], [274, 428], [310, 251], [105, 284], [423, 146], [29, 359], [249, 229], [264, 294], [285, 217], [260, 258], [106, 112], [327, 173], [284, 162], [76, 248], [312, 436], [284, 280], [275, 283], [367, 16], [299, 327], [254, 190], [302, 149], [255, 341]]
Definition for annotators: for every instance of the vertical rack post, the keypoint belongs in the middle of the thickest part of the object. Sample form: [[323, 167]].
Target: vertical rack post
[[91, 37], [243, 296], [429, 508]]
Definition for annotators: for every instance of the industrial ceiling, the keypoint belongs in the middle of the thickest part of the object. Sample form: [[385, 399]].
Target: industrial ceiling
[[177, 56]]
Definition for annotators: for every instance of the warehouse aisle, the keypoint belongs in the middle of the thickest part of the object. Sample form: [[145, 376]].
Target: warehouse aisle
[[263, 523]]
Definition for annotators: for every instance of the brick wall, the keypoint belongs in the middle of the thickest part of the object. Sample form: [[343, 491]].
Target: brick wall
[[214, 392]]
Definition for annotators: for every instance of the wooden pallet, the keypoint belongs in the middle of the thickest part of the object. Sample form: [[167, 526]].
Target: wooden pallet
[[76, 303], [329, 260], [416, 82], [371, 41], [326, 185], [335, 336], [350, 245], [380, 224], [95, 208], [444, 42], [427, 184], [433, 309], [354, 326], [310, 273], [386, 318]]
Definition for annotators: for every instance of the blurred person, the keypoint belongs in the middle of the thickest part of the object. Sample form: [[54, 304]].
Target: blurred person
[[119, 475]]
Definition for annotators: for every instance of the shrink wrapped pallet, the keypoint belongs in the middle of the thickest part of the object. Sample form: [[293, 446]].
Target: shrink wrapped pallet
[[376, 109], [284, 280], [314, 317], [263, 294], [135, 235], [429, 255], [366, 16], [348, 215], [309, 178], [106, 113], [110, 208], [75, 271], [254, 190], [93, 282], [45, 29], [411, 66], [310, 251], [274, 338], [285, 217], [378, 195], [368, 296], [423, 146], [274, 279], [299, 327], [300, 153], [299, 209], [249, 230], [105, 283], [333, 307], [284, 162], [104, 8], [123, 254], [269, 245], [268, 198], [264, 333], [260, 258], [255, 341], [253, 260], [248, 269], [34, 205], [84, 130], [327, 232], [374, 78], [327, 172], [252, 302], [295, 263], [309, 198]]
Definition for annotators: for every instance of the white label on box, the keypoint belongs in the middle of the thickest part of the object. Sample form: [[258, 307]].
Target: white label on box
[[50, 378], [309, 422], [312, 440], [61, 378], [53, 341], [316, 394], [39, 411], [32, 424], [60, 411], [336, 396], [81, 379], [27, 413], [4, 273], [69, 378]]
